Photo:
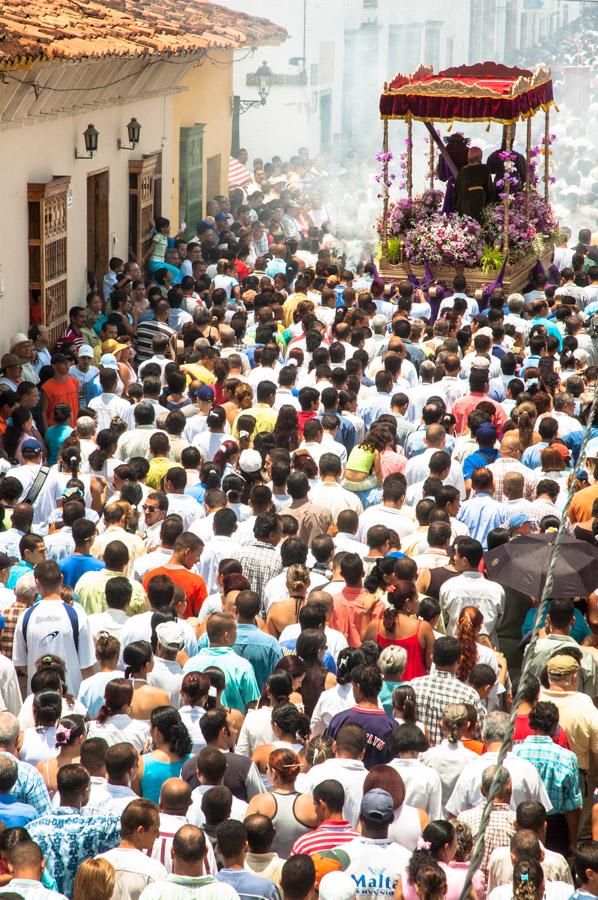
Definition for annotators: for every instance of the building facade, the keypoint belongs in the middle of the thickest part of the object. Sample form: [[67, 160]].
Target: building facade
[[328, 75], [68, 210]]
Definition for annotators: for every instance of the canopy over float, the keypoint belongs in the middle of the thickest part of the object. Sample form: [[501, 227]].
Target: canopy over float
[[484, 92]]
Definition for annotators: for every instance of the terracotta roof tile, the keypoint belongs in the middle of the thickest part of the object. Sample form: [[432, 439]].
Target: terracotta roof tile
[[80, 29]]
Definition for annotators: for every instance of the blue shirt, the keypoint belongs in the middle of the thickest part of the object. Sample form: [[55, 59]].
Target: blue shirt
[[579, 631], [550, 329], [67, 837], [249, 886], [346, 431], [20, 568], [531, 455], [481, 513], [54, 437], [574, 438], [30, 788], [74, 566], [260, 649], [15, 814], [483, 456]]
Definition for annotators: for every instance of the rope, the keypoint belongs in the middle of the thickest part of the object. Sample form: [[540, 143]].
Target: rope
[[478, 849]]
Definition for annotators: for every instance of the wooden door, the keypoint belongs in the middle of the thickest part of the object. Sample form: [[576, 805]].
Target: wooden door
[[47, 241], [98, 224], [191, 176], [141, 205]]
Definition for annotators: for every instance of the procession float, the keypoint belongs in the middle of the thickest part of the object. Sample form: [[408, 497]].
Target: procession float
[[422, 235]]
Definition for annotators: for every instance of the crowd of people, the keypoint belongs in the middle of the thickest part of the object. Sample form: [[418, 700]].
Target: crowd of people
[[250, 642]]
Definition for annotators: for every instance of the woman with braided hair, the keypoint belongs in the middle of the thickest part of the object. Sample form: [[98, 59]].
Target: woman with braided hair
[[474, 652], [400, 627]]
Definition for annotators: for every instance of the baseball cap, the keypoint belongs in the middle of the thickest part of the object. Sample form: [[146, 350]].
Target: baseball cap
[[562, 664], [205, 392], [5, 560], [32, 444], [518, 519], [250, 461], [10, 359], [480, 362], [170, 635], [326, 861], [337, 886], [377, 806], [59, 358], [486, 431], [85, 350], [108, 361], [581, 355]]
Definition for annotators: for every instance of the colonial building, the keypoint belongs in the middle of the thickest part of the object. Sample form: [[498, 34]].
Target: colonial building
[[110, 113]]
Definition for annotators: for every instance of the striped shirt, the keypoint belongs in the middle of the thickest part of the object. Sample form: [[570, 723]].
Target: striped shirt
[[145, 334], [331, 833]]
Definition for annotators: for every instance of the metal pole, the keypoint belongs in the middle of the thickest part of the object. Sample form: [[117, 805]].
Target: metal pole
[[235, 134], [506, 190], [385, 191], [410, 158], [431, 161], [546, 152], [528, 157]]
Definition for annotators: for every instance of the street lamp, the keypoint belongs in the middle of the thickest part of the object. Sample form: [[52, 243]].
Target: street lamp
[[134, 131], [90, 136], [264, 78]]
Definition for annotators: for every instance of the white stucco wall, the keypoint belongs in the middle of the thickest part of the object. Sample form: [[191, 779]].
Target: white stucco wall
[[38, 152]]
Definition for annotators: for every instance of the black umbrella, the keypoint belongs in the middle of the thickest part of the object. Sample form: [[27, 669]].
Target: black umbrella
[[523, 564]]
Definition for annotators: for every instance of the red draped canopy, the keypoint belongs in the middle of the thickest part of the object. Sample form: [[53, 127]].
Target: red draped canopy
[[485, 92]]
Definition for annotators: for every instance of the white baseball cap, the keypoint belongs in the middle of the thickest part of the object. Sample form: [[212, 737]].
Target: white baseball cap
[[85, 350]]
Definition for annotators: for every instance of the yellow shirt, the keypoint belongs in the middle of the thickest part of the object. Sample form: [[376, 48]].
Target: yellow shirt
[[290, 305], [199, 373], [159, 466], [265, 419]]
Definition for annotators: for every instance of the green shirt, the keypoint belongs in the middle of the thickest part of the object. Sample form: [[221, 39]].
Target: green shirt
[[241, 685], [91, 592]]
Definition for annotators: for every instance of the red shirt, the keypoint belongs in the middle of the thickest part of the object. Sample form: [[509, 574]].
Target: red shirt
[[303, 418], [522, 730], [462, 407], [193, 585]]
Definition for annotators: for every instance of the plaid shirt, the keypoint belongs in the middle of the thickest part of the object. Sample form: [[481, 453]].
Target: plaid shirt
[[10, 617], [434, 692], [261, 562], [30, 787], [558, 768], [498, 832], [502, 466]]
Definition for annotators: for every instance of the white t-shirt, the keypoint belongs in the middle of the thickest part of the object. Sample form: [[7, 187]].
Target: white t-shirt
[[49, 630], [196, 816], [256, 730], [91, 691], [553, 890], [376, 866]]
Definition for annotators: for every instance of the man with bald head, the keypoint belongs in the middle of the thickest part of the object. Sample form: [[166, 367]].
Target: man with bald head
[[473, 187], [513, 489], [175, 800], [190, 858], [509, 460]]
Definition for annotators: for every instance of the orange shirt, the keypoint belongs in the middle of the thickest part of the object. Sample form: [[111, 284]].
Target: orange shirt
[[582, 503], [476, 746], [62, 392], [193, 585]]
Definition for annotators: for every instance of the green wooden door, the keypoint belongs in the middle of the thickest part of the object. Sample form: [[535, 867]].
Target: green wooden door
[[191, 176]]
